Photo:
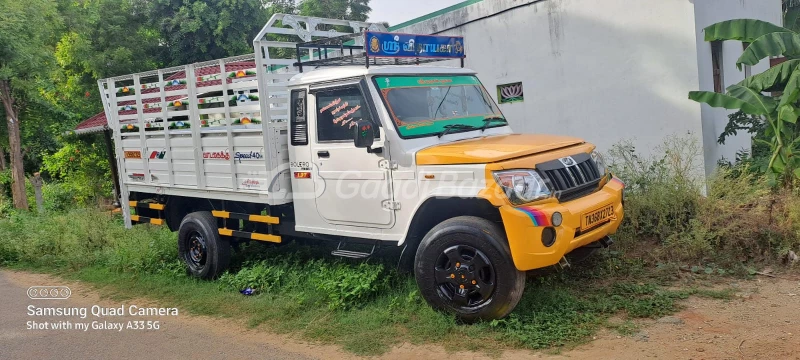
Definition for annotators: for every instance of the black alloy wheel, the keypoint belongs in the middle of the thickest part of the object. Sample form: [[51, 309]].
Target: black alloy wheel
[[465, 275]]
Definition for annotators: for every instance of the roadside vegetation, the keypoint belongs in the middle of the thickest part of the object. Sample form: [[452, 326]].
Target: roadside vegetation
[[674, 244], [364, 306]]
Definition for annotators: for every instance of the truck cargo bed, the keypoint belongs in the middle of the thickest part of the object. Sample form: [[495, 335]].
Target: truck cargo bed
[[205, 126], [216, 129]]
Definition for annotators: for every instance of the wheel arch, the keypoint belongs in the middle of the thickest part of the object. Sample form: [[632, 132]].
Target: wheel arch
[[178, 207], [435, 210]]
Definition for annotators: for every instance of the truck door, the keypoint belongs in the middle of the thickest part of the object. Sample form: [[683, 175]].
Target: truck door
[[353, 185]]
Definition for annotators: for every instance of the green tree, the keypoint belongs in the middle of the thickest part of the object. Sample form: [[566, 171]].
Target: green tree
[[200, 30], [753, 96], [103, 38], [357, 10], [26, 57]]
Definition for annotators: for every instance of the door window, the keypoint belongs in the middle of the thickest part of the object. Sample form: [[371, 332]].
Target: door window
[[337, 111]]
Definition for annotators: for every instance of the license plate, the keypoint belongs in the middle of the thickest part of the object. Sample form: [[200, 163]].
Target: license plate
[[596, 217]]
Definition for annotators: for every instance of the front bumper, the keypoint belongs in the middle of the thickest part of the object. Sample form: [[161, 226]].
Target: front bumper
[[524, 226]]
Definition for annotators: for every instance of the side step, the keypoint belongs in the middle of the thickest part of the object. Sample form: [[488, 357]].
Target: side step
[[352, 254]]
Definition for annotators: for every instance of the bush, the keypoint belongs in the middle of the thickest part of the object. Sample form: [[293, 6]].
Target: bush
[[82, 169], [337, 284], [740, 218], [260, 276], [728, 217], [57, 197], [6, 206], [345, 285], [5, 183], [662, 192]]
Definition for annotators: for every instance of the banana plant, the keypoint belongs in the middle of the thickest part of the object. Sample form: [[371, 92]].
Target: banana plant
[[752, 95]]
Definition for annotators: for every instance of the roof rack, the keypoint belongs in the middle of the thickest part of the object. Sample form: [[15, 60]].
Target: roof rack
[[381, 48]]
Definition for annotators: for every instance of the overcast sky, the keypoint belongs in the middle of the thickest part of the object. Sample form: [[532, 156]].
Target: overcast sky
[[397, 11]]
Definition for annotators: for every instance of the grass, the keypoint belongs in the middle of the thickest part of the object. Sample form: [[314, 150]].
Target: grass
[[365, 307]]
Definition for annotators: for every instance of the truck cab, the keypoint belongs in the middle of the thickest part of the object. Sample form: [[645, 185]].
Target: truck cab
[[357, 139], [445, 176]]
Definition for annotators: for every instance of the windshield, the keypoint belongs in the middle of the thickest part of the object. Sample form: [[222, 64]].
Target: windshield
[[429, 105]]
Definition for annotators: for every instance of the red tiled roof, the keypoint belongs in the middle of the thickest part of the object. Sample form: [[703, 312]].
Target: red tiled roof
[[93, 124]]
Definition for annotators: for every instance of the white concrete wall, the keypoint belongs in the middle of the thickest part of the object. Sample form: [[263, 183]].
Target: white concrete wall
[[605, 71], [714, 120]]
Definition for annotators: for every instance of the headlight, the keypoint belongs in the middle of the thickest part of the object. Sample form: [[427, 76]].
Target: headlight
[[522, 186], [600, 163]]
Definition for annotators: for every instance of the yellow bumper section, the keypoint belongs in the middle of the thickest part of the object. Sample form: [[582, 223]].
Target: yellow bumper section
[[601, 210]]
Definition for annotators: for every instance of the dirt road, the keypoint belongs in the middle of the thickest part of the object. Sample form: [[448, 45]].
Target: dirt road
[[762, 322], [178, 337]]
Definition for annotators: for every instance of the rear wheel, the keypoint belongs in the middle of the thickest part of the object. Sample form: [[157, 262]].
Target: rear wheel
[[200, 246], [464, 266]]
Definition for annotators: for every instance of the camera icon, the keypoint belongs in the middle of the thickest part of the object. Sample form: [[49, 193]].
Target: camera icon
[[49, 292]]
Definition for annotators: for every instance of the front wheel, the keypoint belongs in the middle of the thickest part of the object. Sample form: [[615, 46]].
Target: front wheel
[[202, 249], [464, 266]]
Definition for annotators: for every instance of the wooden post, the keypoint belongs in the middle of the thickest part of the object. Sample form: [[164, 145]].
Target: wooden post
[[37, 183], [2, 168], [2, 159]]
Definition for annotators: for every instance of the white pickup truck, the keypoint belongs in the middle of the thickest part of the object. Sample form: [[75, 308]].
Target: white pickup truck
[[368, 145]]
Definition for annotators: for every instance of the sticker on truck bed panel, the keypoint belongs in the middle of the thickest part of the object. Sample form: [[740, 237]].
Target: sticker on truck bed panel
[[219, 155], [252, 155], [133, 154], [251, 184], [158, 155]]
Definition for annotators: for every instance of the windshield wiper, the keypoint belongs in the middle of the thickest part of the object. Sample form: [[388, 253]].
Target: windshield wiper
[[453, 127], [492, 118], [442, 102]]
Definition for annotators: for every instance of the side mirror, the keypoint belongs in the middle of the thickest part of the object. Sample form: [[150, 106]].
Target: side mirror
[[363, 134]]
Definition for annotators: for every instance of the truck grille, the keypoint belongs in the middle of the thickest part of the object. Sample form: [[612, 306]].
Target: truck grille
[[578, 179]]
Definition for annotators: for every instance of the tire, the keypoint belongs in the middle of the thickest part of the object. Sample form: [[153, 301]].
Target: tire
[[200, 246], [492, 286]]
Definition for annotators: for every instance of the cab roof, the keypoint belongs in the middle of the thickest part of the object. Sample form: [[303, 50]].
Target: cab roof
[[343, 72]]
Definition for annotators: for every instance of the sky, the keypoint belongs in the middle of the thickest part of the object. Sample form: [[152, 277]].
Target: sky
[[398, 11]]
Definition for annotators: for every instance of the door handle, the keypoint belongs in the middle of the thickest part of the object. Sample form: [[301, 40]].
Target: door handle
[[323, 154]]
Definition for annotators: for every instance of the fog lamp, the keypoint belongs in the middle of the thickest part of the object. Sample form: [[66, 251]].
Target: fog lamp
[[548, 236]]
